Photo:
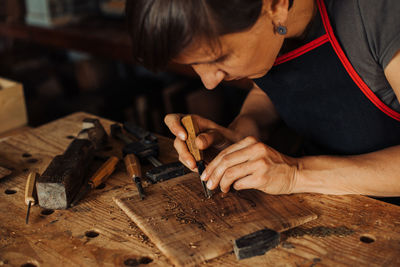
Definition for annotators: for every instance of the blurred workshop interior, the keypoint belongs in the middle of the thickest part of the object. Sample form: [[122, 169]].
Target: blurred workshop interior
[[72, 55]]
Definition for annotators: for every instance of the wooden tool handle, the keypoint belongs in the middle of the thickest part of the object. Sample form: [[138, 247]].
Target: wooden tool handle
[[30, 188], [104, 172], [192, 130], [132, 165]]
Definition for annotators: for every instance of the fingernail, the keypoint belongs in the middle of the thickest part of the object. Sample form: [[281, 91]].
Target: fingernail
[[189, 163], [182, 136], [209, 184], [203, 176]]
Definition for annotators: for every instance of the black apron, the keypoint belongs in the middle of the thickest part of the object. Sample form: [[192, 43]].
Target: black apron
[[318, 94]]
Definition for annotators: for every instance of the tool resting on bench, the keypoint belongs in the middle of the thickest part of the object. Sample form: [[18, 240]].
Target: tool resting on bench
[[135, 172], [65, 174], [147, 148], [30, 193], [99, 177]]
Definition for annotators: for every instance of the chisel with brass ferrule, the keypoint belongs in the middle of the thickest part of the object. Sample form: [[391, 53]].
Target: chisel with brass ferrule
[[98, 177], [134, 171], [192, 129]]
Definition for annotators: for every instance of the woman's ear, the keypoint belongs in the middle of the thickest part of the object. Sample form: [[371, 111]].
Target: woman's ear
[[277, 10]]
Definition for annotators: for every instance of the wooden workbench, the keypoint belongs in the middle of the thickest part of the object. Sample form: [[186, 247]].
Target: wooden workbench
[[350, 230]]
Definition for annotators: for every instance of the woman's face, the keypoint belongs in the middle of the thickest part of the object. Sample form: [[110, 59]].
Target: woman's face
[[248, 54]]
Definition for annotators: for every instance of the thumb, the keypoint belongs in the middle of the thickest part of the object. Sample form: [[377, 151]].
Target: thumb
[[211, 138]]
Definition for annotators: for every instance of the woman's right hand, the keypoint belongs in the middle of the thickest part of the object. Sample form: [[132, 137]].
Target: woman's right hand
[[211, 135]]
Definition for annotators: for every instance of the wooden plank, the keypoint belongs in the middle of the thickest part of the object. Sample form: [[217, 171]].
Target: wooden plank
[[190, 229], [4, 172]]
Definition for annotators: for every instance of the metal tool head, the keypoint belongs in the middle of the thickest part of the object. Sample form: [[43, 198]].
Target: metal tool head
[[201, 167], [143, 135], [166, 172], [117, 133], [94, 132], [141, 150], [115, 130]]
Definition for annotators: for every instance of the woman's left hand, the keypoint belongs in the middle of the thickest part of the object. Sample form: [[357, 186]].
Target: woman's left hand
[[252, 164]]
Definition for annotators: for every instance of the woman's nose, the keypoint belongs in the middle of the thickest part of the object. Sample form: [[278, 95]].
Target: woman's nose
[[210, 76]]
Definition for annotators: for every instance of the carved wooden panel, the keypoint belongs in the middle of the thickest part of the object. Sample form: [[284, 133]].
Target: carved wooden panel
[[190, 229]]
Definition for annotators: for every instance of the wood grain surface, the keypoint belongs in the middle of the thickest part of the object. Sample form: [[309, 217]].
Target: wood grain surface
[[190, 229], [349, 231], [12, 106], [4, 172]]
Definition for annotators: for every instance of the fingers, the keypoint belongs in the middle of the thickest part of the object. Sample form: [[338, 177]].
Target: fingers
[[173, 122], [247, 182], [252, 164], [234, 174], [211, 135], [185, 156], [243, 176], [206, 127], [211, 138], [229, 157]]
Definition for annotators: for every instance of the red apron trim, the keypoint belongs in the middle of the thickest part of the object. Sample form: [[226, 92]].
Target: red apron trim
[[302, 49], [349, 68]]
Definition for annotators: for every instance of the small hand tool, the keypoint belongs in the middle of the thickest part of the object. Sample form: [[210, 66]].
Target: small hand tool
[[192, 130], [132, 165], [166, 172], [256, 244], [100, 176], [147, 148], [30, 193], [144, 136]]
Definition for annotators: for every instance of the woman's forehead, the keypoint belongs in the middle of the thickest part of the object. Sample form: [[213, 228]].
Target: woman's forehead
[[201, 50]]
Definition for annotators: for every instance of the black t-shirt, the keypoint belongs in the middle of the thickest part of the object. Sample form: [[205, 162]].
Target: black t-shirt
[[369, 33]]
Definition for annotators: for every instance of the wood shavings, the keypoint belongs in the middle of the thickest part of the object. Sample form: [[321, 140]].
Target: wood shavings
[[180, 213], [193, 245]]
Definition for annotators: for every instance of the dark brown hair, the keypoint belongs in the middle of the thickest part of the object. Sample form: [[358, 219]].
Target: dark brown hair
[[161, 29]]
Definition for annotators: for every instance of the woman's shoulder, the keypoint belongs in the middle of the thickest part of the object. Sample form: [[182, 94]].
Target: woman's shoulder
[[369, 33], [376, 22]]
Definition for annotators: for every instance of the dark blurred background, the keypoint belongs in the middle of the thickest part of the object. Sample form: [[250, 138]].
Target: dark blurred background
[[73, 55]]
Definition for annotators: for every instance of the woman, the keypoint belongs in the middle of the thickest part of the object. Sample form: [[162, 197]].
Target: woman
[[329, 69]]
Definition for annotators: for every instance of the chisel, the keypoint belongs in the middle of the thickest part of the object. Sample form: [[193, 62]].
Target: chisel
[[30, 192], [192, 129], [147, 148], [134, 171], [98, 177]]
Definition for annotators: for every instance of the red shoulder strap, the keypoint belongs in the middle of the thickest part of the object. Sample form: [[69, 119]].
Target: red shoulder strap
[[349, 68]]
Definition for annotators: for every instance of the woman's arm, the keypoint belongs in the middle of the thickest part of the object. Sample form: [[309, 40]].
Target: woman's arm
[[257, 116], [251, 164], [375, 173], [392, 73]]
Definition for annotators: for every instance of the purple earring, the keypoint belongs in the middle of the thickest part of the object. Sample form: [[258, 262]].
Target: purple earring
[[282, 30]]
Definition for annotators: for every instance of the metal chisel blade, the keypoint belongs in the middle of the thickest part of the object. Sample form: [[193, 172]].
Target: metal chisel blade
[[201, 167]]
